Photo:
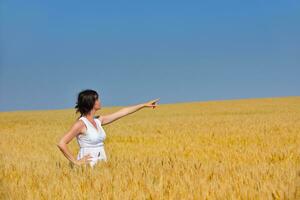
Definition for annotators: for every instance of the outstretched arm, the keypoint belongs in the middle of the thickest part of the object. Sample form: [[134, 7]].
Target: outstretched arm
[[126, 111]]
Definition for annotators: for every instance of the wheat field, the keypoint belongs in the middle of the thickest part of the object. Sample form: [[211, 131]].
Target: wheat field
[[230, 149]]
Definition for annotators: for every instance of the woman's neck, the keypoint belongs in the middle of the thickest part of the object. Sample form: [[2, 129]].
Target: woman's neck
[[90, 115]]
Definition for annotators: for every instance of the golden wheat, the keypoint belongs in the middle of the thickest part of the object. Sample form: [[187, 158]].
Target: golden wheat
[[234, 149]]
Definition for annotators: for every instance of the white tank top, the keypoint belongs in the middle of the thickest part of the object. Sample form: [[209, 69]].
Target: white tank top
[[92, 137]]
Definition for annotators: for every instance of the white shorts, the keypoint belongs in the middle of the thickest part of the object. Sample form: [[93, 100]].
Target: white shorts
[[97, 153]]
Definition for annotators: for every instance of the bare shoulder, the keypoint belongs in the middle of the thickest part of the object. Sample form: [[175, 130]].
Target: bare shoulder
[[79, 126], [100, 118]]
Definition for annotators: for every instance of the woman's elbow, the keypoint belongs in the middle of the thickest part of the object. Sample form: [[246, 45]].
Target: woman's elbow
[[61, 144]]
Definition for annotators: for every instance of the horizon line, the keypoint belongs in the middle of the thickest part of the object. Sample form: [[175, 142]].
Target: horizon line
[[177, 102]]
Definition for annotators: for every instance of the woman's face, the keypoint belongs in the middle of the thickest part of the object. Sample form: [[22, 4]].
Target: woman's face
[[97, 105]]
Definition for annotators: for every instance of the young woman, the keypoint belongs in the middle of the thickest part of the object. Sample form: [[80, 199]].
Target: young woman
[[88, 128]]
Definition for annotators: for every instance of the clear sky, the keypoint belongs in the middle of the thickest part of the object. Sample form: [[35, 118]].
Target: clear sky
[[134, 51]]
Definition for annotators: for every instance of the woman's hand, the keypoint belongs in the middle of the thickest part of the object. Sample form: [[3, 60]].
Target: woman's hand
[[84, 160], [152, 103]]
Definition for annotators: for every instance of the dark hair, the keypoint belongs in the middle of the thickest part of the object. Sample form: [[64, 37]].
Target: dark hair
[[85, 101]]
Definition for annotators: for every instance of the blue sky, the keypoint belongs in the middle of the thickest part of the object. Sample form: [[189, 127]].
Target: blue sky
[[135, 51]]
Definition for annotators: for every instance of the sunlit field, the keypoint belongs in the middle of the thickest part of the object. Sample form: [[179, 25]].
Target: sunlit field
[[233, 149]]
